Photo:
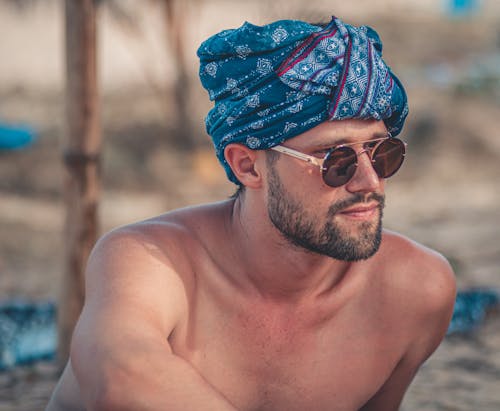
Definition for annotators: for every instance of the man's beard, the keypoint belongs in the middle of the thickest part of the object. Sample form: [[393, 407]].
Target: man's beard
[[323, 237]]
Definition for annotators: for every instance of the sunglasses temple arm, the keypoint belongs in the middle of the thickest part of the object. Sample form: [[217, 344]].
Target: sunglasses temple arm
[[301, 156]]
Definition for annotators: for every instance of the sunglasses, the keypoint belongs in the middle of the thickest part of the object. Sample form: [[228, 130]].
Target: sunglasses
[[340, 162]]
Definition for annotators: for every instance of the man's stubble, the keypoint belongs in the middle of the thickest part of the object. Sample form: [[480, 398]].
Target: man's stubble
[[327, 237]]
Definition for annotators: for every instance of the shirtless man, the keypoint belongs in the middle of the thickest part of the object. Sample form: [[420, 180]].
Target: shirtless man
[[289, 296]]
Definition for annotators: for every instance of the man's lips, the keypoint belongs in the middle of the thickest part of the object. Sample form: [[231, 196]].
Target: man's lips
[[361, 210]]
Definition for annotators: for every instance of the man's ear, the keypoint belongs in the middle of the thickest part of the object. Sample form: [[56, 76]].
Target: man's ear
[[243, 163]]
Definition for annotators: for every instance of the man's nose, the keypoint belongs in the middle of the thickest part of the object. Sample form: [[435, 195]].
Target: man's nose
[[365, 179]]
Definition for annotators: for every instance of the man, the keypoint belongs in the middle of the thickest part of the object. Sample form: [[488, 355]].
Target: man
[[289, 296]]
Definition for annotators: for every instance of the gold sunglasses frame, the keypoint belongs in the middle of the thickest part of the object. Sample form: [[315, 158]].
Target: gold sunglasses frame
[[320, 161]]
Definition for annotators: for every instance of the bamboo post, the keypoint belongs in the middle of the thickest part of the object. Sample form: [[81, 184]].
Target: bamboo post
[[81, 157], [176, 19]]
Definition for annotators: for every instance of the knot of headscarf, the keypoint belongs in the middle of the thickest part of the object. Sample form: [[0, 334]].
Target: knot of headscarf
[[273, 82]]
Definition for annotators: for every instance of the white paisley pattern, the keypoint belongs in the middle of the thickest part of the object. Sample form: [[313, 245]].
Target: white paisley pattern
[[279, 35]]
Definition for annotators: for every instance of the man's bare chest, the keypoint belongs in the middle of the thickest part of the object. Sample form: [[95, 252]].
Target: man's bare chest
[[263, 360]]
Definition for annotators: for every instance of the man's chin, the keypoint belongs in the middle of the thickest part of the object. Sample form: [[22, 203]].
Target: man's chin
[[359, 225], [358, 240]]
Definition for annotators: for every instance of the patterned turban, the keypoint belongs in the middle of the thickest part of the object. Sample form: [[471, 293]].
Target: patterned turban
[[273, 82]]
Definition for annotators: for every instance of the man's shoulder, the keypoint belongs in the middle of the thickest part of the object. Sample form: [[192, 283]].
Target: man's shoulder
[[420, 283], [413, 257], [416, 263], [149, 266], [164, 246], [422, 275], [170, 233]]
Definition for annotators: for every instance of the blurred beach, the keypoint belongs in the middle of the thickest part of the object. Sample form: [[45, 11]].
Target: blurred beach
[[446, 196]]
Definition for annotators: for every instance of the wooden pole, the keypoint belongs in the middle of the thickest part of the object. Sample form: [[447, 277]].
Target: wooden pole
[[176, 19], [81, 157]]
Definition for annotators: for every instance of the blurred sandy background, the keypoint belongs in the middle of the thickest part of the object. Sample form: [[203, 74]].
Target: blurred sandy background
[[446, 196]]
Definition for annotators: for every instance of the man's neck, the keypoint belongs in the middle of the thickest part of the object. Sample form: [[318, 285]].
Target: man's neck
[[275, 268]]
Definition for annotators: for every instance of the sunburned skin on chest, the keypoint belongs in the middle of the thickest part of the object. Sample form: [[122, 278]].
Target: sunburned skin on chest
[[269, 357], [276, 323]]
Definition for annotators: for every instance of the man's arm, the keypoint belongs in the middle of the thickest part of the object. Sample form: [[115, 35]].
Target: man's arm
[[432, 306], [120, 353]]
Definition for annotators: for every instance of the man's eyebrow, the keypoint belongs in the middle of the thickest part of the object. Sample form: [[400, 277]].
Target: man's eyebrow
[[329, 144], [348, 140]]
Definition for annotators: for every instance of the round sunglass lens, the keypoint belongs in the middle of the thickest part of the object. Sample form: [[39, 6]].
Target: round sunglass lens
[[339, 166], [388, 157]]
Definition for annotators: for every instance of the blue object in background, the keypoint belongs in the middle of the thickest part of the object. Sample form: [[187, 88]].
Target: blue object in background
[[459, 8], [15, 137], [470, 309], [28, 332]]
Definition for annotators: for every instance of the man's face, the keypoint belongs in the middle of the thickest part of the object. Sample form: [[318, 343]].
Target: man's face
[[344, 223]]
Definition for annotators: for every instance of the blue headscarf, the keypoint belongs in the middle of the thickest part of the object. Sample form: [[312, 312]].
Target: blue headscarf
[[273, 82]]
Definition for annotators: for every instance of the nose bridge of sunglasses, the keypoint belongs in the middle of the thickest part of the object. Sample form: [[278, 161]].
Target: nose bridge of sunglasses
[[368, 150], [359, 155]]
